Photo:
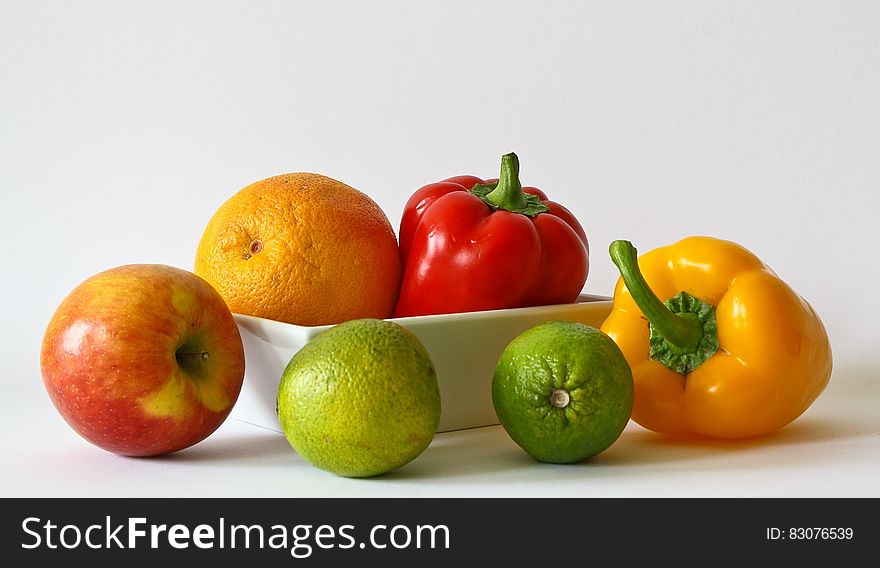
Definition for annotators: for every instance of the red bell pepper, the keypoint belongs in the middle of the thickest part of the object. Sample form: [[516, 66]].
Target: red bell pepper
[[470, 245]]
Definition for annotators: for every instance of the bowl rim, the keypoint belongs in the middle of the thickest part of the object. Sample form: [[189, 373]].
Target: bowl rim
[[258, 325]]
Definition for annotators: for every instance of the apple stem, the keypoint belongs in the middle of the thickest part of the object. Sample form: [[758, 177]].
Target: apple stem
[[201, 355]]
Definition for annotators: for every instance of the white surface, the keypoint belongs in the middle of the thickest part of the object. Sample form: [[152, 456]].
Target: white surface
[[123, 126], [830, 451]]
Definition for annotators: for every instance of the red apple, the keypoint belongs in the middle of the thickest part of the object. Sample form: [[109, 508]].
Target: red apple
[[143, 360]]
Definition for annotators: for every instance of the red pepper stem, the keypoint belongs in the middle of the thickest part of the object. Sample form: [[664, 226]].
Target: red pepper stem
[[508, 194], [682, 332]]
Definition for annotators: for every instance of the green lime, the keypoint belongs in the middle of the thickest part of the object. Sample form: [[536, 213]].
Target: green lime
[[360, 399], [563, 391]]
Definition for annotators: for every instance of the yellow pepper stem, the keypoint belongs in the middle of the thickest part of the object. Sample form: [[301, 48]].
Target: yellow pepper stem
[[683, 329]]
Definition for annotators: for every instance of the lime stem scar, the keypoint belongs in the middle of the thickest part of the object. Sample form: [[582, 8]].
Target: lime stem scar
[[560, 398]]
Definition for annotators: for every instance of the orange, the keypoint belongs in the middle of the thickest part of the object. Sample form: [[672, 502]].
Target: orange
[[302, 248]]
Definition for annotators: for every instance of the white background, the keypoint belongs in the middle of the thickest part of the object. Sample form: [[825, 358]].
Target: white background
[[124, 125]]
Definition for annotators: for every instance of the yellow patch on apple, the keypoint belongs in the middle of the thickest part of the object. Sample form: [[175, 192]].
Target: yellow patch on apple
[[171, 399], [182, 300]]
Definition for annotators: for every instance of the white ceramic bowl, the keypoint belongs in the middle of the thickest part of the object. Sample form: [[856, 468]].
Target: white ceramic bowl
[[464, 348]]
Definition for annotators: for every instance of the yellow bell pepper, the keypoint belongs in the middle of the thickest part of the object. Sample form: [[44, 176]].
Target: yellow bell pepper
[[733, 352]]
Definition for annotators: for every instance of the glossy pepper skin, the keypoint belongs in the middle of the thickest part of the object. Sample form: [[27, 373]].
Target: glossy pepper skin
[[469, 245], [744, 357]]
